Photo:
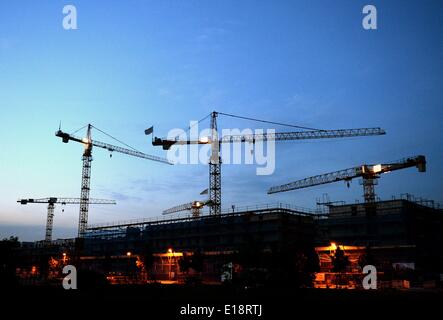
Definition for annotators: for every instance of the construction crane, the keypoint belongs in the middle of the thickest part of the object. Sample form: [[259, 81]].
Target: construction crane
[[215, 141], [86, 171], [51, 201], [369, 173], [194, 207]]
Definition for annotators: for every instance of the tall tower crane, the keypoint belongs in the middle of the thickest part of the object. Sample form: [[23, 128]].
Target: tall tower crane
[[369, 173], [86, 171], [194, 207], [215, 141], [51, 201]]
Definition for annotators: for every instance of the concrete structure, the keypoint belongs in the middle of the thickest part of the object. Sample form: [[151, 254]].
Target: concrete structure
[[216, 237], [268, 225], [400, 233], [394, 222], [403, 236]]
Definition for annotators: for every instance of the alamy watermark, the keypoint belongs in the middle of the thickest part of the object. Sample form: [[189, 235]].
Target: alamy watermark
[[235, 146], [69, 281], [70, 19], [369, 21], [370, 281]]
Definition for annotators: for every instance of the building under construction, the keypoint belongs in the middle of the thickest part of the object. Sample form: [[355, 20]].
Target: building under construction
[[404, 233], [217, 238], [402, 236]]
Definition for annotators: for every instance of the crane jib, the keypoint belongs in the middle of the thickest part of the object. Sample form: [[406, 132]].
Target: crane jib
[[66, 137], [279, 136], [367, 172]]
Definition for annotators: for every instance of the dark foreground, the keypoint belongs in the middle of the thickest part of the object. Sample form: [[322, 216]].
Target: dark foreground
[[166, 302]]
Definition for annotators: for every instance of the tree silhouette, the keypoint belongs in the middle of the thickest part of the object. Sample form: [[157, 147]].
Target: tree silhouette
[[340, 261], [147, 257], [250, 254], [197, 260], [367, 258], [184, 263], [8, 261], [287, 264]]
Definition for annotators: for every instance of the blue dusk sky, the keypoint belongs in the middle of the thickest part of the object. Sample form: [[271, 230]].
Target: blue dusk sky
[[133, 64]]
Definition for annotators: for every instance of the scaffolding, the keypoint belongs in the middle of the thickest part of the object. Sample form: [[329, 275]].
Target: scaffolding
[[123, 228]]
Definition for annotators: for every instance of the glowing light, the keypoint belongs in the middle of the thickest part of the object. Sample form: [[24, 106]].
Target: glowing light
[[169, 250], [333, 246], [376, 168], [204, 139], [128, 253]]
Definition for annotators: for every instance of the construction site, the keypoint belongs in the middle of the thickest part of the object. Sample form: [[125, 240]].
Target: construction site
[[275, 244], [221, 159]]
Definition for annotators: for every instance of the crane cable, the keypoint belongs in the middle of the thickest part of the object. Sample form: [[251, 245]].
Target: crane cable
[[266, 121], [114, 138], [106, 135], [78, 130], [189, 128]]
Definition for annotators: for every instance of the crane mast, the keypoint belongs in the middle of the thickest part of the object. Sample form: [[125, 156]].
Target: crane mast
[[49, 222], [214, 169], [369, 174], [85, 185]]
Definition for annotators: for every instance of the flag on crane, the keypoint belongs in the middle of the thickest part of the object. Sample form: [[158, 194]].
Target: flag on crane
[[204, 191], [149, 130]]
